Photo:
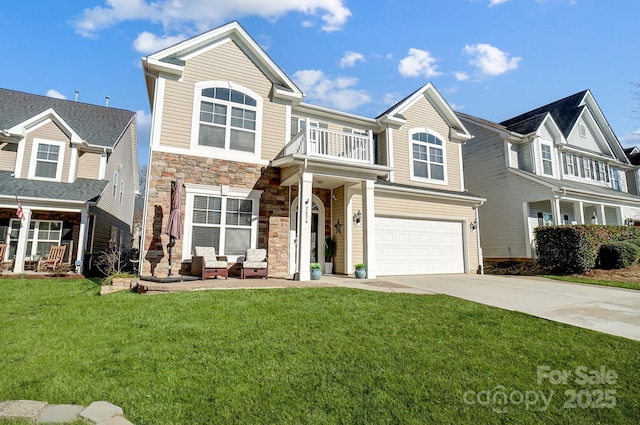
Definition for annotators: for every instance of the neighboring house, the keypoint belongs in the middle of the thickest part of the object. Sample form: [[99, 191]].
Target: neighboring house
[[558, 164], [74, 169], [261, 168], [633, 176]]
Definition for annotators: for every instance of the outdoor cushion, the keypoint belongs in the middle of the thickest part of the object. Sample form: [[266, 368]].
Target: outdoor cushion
[[254, 264], [256, 255], [208, 253]]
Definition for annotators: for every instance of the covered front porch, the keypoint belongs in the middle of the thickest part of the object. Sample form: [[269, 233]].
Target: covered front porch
[[571, 208], [29, 238], [332, 175]]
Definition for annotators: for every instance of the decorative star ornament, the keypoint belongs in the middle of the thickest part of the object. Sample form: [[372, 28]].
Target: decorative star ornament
[[338, 227]]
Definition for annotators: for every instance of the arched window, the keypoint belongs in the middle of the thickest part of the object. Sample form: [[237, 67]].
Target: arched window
[[228, 118], [427, 156]]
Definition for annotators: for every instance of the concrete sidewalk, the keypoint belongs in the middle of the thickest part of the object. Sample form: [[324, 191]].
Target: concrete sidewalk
[[611, 310]]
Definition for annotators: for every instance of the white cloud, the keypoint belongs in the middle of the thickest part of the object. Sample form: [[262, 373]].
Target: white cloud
[[490, 60], [201, 15], [350, 58], [55, 94], [143, 120], [418, 63], [391, 99], [631, 139], [456, 107], [337, 93], [461, 76], [147, 42], [496, 2]]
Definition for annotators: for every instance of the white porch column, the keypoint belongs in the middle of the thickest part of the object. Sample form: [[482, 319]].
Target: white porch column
[[23, 235], [578, 212], [555, 210], [602, 218], [619, 218], [82, 237], [304, 226], [368, 231]]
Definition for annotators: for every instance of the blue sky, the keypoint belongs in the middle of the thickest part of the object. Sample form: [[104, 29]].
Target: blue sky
[[491, 58]]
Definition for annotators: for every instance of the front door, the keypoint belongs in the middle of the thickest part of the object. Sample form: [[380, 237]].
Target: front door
[[316, 250]]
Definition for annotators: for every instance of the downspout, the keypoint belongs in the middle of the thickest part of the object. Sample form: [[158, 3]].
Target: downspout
[[478, 248]]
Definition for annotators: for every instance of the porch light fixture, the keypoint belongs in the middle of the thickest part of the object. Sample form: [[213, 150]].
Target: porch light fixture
[[474, 225], [357, 218], [594, 219]]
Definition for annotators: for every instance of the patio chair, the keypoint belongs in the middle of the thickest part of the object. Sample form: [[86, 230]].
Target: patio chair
[[208, 263], [3, 251], [255, 264], [53, 259]]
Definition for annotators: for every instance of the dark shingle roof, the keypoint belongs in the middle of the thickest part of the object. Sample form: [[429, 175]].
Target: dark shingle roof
[[80, 190], [564, 112], [98, 125]]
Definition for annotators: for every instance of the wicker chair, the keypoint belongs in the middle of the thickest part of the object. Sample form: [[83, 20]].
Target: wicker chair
[[255, 264], [208, 264]]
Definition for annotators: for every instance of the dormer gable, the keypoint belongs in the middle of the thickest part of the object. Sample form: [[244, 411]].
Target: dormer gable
[[171, 60], [394, 115]]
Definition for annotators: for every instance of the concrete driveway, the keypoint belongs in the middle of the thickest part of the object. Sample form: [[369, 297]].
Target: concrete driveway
[[611, 310]]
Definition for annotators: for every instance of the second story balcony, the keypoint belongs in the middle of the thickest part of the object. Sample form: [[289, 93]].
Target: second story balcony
[[330, 144]]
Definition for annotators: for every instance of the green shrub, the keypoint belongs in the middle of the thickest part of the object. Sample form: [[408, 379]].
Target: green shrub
[[634, 241], [618, 255], [574, 249]]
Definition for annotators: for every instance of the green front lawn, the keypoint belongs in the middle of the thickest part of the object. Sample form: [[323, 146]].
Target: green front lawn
[[297, 356]]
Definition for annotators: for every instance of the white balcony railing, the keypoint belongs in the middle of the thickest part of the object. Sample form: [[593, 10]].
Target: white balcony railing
[[321, 142]]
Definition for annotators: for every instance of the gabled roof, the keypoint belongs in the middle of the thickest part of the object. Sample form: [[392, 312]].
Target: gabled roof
[[633, 154], [394, 114], [97, 125], [565, 113], [81, 190], [172, 59]]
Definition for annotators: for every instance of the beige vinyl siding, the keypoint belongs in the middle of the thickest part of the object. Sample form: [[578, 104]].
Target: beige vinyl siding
[[88, 165], [382, 148], [121, 154], [423, 114], [357, 255], [611, 216], [226, 62], [8, 155], [545, 132], [411, 206], [503, 233], [338, 211], [589, 142], [289, 172], [49, 131]]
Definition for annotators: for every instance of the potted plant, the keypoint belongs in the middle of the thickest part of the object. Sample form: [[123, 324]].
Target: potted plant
[[316, 272], [361, 271], [329, 253]]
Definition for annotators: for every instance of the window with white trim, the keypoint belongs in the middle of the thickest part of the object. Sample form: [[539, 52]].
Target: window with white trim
[[115, 183], [427, 156], [46, 159], [42, 235], [547, 162], [228, 119], [615, 179], [121, 190], [226, 219], [586, 168]]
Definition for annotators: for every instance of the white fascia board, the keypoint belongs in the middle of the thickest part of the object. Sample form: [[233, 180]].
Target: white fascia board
[[308, 109], [555, 128], [431, 194], [157, 67], [588, 117], [23, 127], [596, 112]]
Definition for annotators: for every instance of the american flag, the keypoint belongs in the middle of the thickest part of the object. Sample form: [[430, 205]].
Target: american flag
[[19, 212]]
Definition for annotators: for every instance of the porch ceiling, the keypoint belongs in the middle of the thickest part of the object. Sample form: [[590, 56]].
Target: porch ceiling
[[330, 174]]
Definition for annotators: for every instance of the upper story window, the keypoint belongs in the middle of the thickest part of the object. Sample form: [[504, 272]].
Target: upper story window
[[46, 160], [121, 190], [547, 162], [115, 183], [586, 168], [427, 156], [615, 179], [228, 119]]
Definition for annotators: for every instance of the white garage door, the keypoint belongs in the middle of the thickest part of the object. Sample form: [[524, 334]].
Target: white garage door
[[408, 246]]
